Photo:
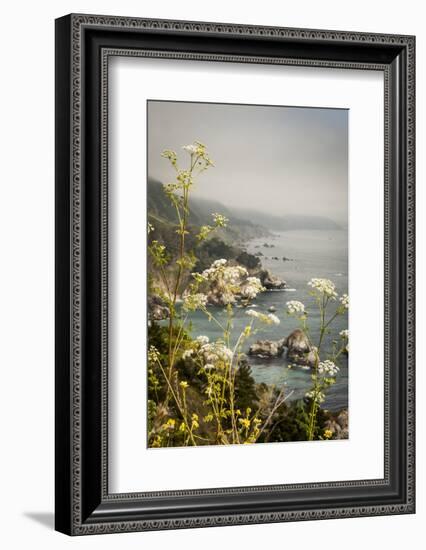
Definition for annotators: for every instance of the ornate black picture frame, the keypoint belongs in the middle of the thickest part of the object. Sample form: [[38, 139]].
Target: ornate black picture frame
[[83, 45]]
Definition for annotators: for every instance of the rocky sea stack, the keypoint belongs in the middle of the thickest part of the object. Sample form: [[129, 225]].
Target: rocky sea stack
[[299, 350], [269, 281]]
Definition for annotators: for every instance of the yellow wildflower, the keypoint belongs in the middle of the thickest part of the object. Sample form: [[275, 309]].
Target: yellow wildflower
[[245, 422], [157, 441], [195, 423], [171, 423]]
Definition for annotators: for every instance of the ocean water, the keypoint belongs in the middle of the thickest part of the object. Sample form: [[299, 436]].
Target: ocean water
[[313, 253]]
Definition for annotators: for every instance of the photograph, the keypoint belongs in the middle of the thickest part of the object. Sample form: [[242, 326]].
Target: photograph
[[247, 270]]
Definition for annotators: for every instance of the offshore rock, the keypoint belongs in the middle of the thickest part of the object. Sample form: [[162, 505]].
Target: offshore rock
[[267, 348], [338, 424], [269, 281], [157, 310], [299, 351]]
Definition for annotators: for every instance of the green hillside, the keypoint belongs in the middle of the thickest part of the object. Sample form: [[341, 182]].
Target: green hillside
[[163, 216]]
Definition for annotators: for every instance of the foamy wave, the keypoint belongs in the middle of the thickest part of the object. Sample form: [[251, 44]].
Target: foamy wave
[[281, 290]]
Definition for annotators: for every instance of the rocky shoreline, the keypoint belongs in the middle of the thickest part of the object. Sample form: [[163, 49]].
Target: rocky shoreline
[[338, 424], [299, 350], [294, 346]]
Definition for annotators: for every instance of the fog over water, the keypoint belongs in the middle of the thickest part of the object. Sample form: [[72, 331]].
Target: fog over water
[[281, 160]]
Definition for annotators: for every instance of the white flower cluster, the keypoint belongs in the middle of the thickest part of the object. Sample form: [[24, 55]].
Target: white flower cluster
[[317, 396], [187, 353], [344, 334], [253, 313], [191, 149], [324, 286], [198, 151], [231, 281], [273, 319], [191, 302], [153, 354], [219, 263], [219, 220], [251, 288], [219, 270], [293, 306], [344, 300], [328, 367], [269, 319], [215, 353]]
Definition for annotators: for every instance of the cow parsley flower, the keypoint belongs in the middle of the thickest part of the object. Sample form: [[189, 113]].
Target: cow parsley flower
[[198, 150], [273, 319], [324, 286], [191, 149], [269, 319], [192, 302], [220, 269], [317, 396], [199, 277], [293, 306], [219, 263], [202, 340], [230, 282], [253, 313], [327, 367], [219, 220], [153, 354], [344, 334], [216, 354], [251, 288], [187, 353], [344, 300]]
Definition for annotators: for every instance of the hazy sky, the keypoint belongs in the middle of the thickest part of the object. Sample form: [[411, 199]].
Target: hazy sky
[[274, 159]]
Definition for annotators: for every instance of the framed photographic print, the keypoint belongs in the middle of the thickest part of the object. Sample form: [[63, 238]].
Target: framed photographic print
[[234, 274]]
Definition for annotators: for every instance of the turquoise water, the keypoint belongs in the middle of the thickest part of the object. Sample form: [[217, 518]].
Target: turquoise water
[[313, 254]]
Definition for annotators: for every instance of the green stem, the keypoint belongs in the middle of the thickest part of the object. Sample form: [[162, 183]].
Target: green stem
[[182, 225]]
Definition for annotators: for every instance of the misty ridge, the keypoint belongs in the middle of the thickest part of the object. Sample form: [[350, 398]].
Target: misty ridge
[[243, 222], [286, 162]]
